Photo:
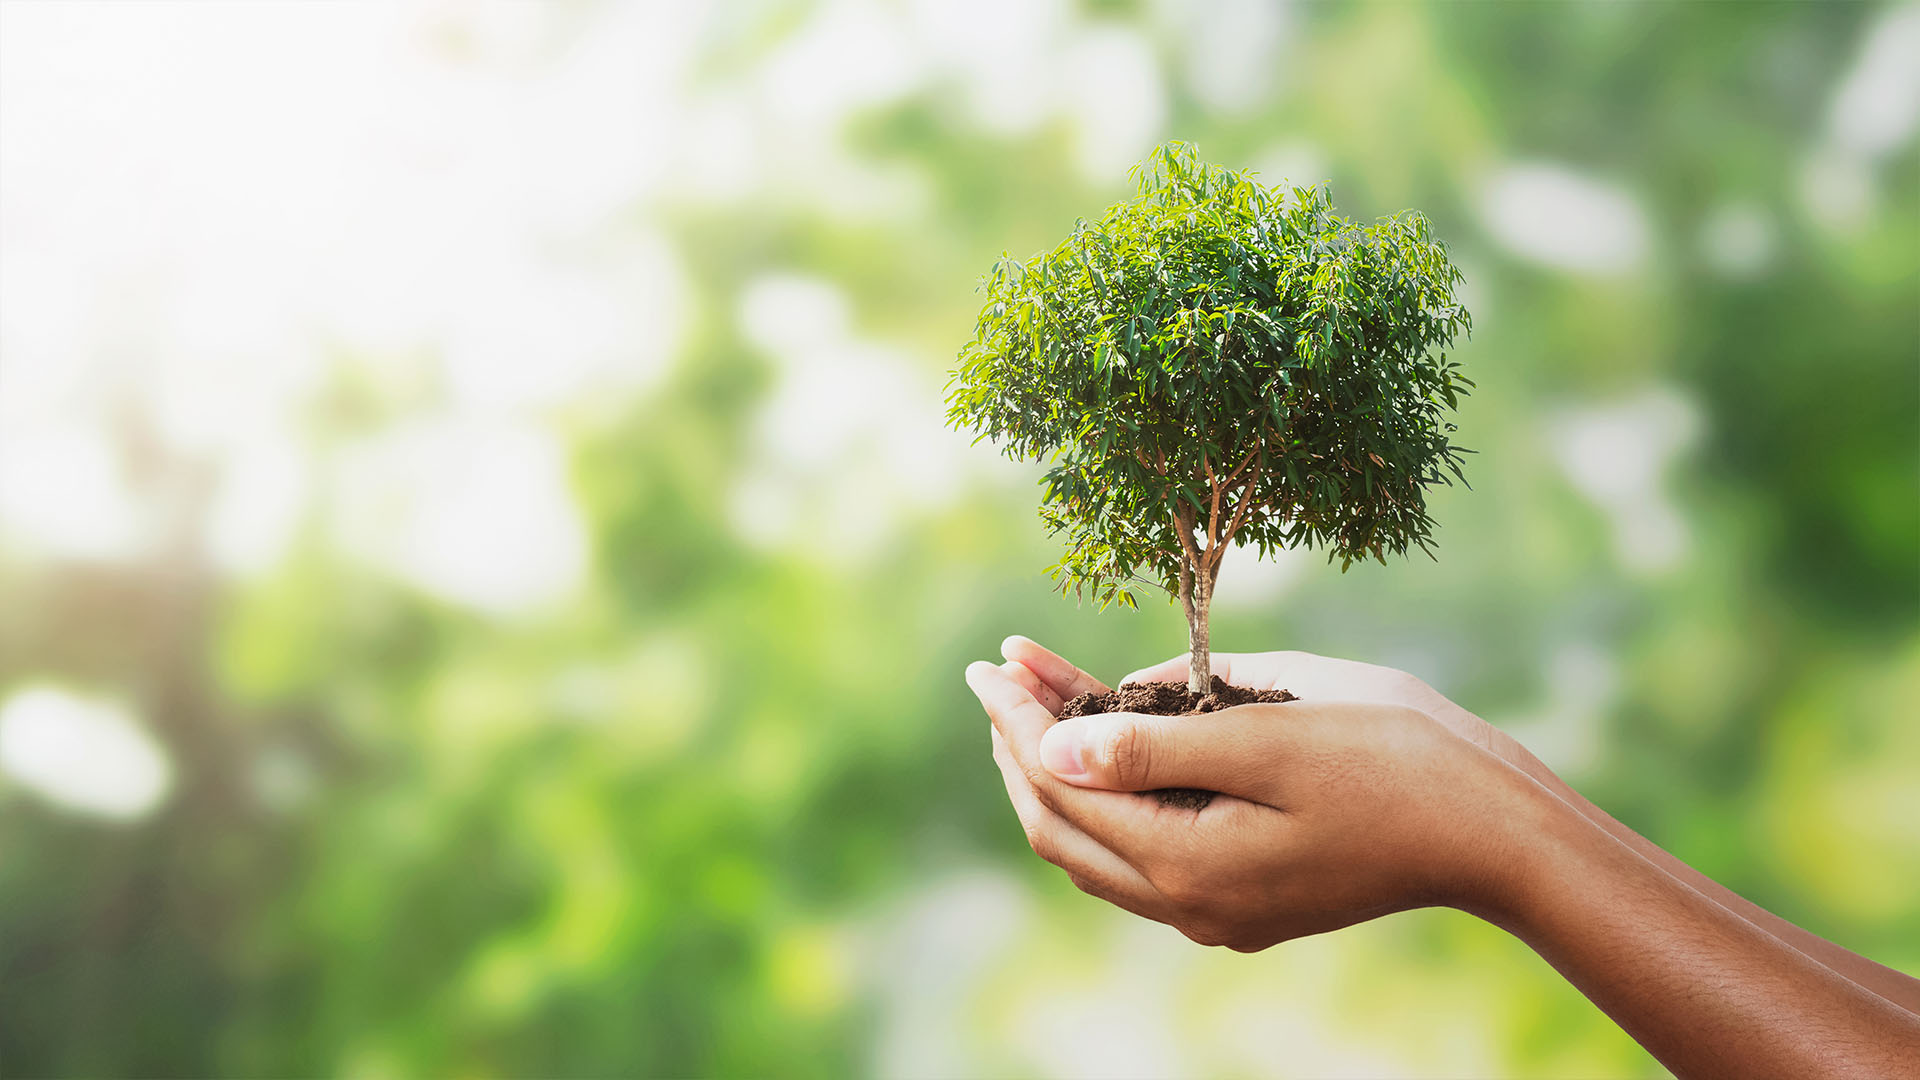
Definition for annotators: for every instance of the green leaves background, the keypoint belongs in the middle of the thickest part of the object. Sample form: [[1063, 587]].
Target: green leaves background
[[726, 809]]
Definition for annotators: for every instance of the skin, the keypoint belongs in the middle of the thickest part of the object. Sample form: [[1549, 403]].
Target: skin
[[1374, 794]]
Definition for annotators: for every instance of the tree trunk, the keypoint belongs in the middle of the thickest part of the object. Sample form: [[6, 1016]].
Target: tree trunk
[[1196, 596]]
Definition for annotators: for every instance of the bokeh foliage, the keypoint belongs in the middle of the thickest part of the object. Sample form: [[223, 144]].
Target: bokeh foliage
[[730, 811]]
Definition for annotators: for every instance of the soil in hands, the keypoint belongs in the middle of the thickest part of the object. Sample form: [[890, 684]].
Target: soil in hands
[[1172, 699]]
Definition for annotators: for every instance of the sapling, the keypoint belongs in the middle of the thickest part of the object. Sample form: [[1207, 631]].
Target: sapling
[[1217, 362]]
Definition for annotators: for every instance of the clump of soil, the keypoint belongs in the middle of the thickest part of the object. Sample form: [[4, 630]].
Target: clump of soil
[[1172, 699]]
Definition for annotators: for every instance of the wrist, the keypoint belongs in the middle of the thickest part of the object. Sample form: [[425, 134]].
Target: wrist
[[1533, 843]]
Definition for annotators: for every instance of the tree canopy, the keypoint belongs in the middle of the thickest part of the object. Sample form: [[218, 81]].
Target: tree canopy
[[1217, 361]]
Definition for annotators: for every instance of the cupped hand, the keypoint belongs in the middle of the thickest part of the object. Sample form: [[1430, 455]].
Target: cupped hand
[[1337, 811], [1325, 678], [1331, 812]]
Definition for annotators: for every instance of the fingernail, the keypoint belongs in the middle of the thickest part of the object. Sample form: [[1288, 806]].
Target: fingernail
[[1060, 749]]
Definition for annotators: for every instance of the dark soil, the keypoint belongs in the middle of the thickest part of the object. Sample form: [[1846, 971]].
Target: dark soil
[[1172, 699]]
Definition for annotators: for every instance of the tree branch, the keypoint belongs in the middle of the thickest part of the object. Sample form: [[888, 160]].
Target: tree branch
[[1240, 511], [1186, 593], [1242, 467], [1159, 464], [1213, 514], [1183, 525]]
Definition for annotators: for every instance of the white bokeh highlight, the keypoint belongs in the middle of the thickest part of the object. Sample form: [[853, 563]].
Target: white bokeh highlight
[[477, 513], [1252, 583], [1123, 1025], [435, 191], [1231, 49], [929, 958], [1877, 105], [1297, 162], [1618, 455], [85, 755], [1872, 115], [1554, 216], [851, 55], [1112, 88], [1001, 55], [850, 438], [64, 490]]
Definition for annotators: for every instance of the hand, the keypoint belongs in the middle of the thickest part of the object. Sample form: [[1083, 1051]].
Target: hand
[[1324, 678], [1333, 813]]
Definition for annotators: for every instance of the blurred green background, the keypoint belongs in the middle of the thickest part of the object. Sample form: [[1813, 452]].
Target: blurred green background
[[484, 584]]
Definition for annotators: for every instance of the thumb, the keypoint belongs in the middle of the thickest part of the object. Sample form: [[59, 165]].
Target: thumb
[[1136, 752]]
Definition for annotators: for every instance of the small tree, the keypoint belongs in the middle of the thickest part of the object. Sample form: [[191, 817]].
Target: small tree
[[1217, 362]]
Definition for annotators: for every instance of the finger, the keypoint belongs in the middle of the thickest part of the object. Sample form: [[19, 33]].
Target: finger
[[1020, 719], [1060, 676], [1175, 670], [1243, 751], [1130, 827], [1041, 692], [1094, 870]]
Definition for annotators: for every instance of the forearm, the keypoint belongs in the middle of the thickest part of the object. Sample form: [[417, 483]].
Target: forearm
[[1703, 989], [1902, 990]]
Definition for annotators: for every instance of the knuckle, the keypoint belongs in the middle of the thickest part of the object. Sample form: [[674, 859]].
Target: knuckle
[[1035, 775], [1032, 772], [1041, 841], [1048, 797], [1127, 752]]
